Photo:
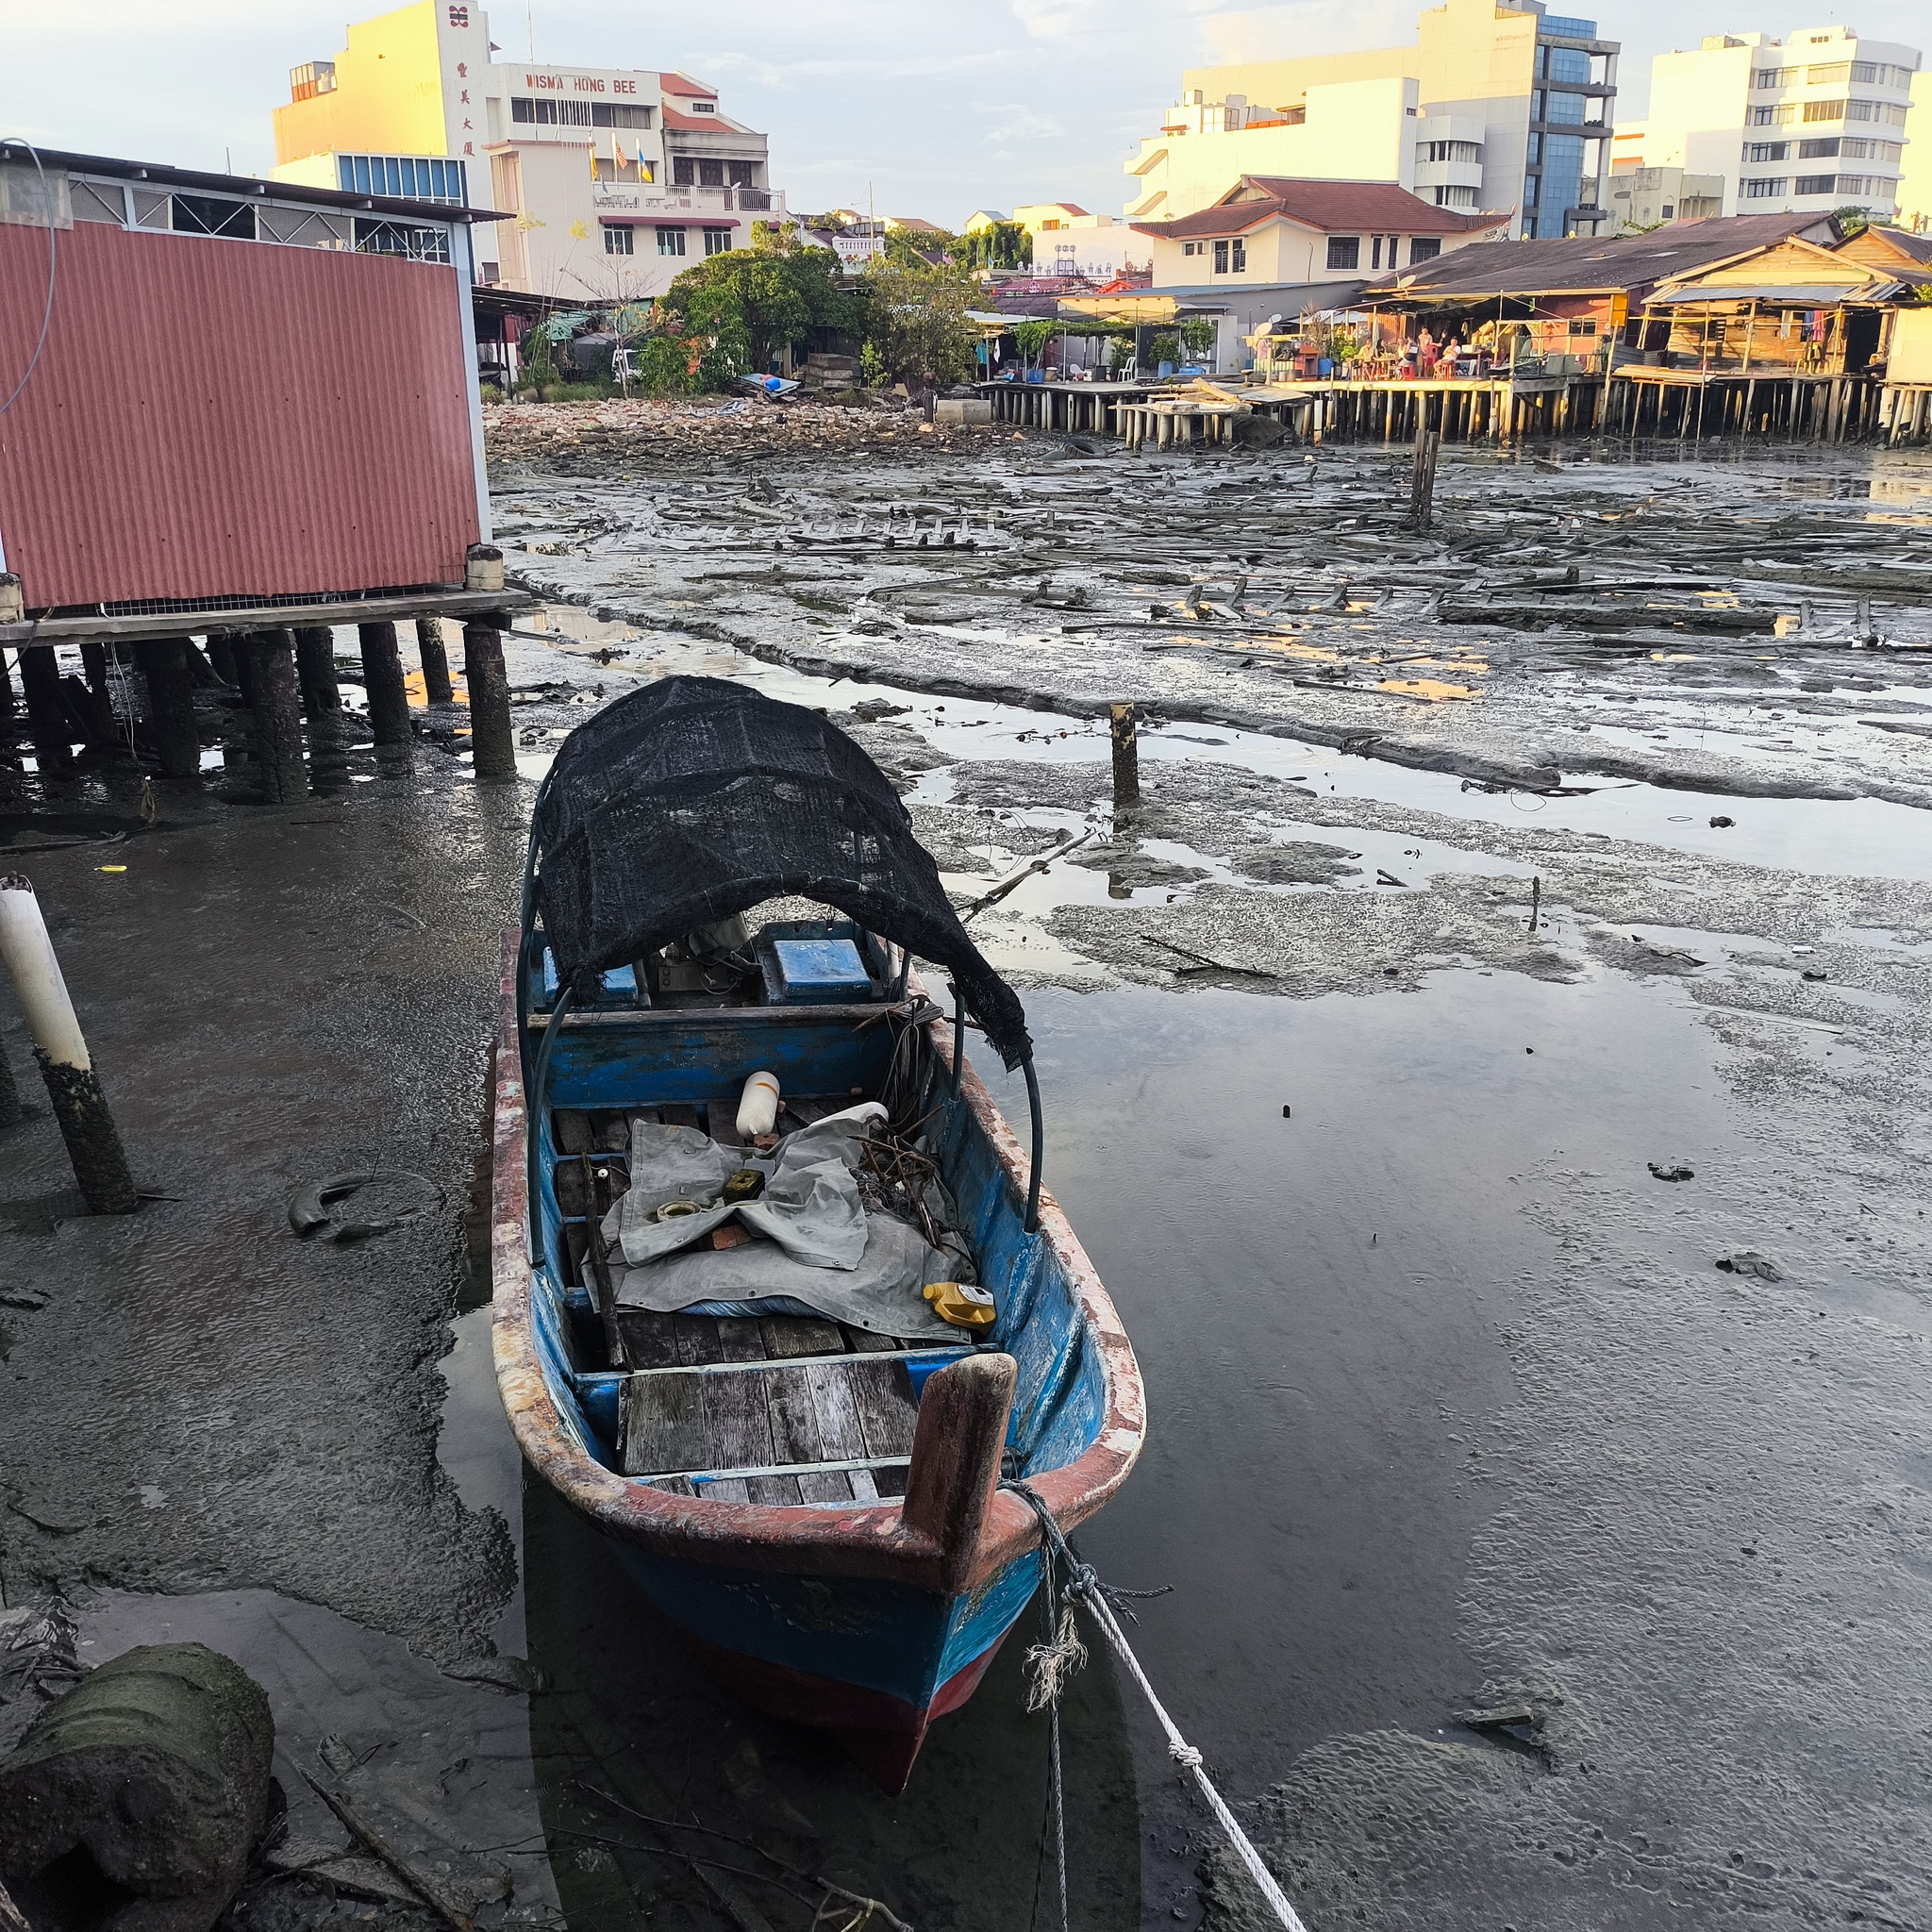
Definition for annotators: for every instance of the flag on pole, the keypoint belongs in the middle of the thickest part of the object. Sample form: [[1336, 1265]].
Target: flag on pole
[[593, 160]]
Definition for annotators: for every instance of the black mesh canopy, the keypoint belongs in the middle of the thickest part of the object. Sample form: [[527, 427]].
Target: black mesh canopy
[[694, 798]]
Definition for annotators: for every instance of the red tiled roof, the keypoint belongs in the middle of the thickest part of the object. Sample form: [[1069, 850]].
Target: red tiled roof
[[676, 122], [683, 84], [1332, 207]]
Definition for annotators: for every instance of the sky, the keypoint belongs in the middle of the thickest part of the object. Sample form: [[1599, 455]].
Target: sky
[[931, 108]]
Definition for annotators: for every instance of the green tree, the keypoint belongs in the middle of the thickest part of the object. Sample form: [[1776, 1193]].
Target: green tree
[[748, 301], [917, 321], [1031, 338], [1851, 220], [1006, 244]]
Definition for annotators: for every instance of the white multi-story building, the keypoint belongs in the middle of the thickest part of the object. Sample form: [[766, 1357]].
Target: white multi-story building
[[1814, 122], [618, 178], [1494, 106]]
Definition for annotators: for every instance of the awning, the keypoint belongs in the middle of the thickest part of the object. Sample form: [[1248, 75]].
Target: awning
[[1820, 296]]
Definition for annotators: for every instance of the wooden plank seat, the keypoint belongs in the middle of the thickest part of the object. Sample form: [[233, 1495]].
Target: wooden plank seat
[[776, 1409]]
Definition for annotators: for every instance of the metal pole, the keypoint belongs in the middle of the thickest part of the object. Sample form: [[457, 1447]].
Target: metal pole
[[94, 1144]]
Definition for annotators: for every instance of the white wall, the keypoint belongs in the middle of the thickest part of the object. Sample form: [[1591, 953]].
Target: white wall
[[1362, 130]]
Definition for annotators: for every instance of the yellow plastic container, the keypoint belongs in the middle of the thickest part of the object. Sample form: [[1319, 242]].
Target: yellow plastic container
[[962, 1304]]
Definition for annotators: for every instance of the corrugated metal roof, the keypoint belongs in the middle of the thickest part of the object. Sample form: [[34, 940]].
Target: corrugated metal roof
[[257, 186], [217, 418], [1582, 265]]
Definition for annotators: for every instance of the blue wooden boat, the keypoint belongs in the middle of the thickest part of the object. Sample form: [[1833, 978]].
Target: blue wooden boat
[[815, 1502]]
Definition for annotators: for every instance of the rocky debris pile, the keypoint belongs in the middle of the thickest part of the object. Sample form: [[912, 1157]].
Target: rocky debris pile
[[643, 438]]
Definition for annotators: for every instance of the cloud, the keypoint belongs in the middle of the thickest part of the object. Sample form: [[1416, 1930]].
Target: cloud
[[1022, 123], [1058, 20], [1306, 27]]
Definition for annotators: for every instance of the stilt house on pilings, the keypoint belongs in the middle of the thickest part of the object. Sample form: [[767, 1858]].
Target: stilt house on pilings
[[1742, 324], [247, 411]]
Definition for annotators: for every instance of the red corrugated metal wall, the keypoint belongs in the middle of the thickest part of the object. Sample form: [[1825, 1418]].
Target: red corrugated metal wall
[[217, 418]]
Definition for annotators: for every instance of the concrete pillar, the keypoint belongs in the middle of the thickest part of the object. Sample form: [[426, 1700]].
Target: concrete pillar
[[275, 700], [437, 689], [322, 696], [382, 678], [492, 739], [47, 715], [171, 706], [80, 1107]]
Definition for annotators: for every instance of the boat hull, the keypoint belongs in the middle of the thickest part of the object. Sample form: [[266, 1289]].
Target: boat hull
[[872, 1665], [866, 1620]]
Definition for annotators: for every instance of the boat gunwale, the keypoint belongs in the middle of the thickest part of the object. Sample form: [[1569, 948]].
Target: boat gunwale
[[868, 1540]]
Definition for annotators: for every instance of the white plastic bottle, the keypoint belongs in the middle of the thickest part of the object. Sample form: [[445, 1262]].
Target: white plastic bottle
[[758, 1106]]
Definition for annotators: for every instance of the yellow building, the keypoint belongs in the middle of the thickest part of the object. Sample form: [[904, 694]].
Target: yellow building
[[618, 177]]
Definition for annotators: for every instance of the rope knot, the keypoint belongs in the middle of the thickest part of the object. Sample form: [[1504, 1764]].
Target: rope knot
[[1083, 1579], [1185, 1754]]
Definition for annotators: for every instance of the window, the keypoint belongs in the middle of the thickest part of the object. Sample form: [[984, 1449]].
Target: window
[[717, 241], [608, 114], [618, 240], [1376, 253], [1767, 187], [742, 173], [1423, 248], [1582, 328], [1772, 77], [1831, 111], [703, 107], [710, 173], [1834, 70], [411, 174], [203, 214], [402, 237], [1220, 258], [1815, 150], [1849, 184], [1669, 211], [684, 171], [1344, 251], [1873, 110], [1775, 117], [670, 240], [1191, 248], [1769, 150], [1240, 265]]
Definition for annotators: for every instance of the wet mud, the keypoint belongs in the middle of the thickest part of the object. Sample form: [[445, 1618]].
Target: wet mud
[[1530, 1567]]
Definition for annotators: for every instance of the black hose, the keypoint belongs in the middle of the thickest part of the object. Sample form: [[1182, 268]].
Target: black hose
[[1039, 1146], [959, 1039]]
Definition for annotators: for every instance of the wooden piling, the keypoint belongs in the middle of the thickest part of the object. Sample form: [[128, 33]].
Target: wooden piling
[[492, 738], [1124, 724], [382, 679], [99, 704], [171, 706], [322, 694], [437, 689], [9, 712], [275, 700], [46, 715]]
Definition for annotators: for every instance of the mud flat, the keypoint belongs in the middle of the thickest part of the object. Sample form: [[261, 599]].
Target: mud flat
[[1530, 1568]]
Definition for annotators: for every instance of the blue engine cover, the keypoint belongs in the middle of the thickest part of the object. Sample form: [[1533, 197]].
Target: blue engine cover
[[826, 972]]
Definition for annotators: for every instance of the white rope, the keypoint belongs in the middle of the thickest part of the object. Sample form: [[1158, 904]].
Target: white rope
[[1184, 1752], [1084, 1584]]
